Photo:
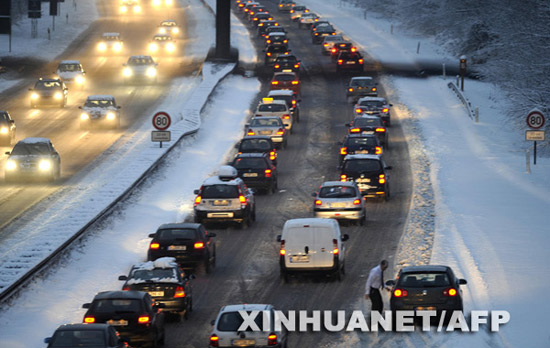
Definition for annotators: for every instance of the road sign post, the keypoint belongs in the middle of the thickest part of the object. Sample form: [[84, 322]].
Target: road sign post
[[161, 121], [534, 136], [535, 120]]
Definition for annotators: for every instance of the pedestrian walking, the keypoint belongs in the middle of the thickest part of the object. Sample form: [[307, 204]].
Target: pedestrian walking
[[375, 282]]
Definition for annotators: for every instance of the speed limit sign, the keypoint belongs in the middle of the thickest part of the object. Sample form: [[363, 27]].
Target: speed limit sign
[[161, 120], [535, 119]]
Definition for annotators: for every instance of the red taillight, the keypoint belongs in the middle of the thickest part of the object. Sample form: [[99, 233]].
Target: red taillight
[[274, 82], [272, 340], [280, 131], [250, 132], [295, 82], [333, 50], [198, 200], [358, 110], [350, 89], [340, 61], [385, 110], [400, 293], [325, 44], [353, 49], [269, 41], [378, 150], [242, 199], [291, 11], [126, 288], [356, 202], [268, 54], [343, 177], [154, 246], [89, 320], [381, 179], [361, 61], [296, 66], [255, 18], [335, 250], [450, 292], [380, 130], [318, 202], [355, 130], [179, 292], [272, 155], [198, 245], [267, 173], [214, 341], [316, 34], [293, 102], [374, 89], [286, 117], [343, 150], [144, 319], [285, 41], [277, 66]]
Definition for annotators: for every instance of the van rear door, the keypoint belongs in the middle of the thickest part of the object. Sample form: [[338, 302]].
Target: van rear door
[[322, 255], [309, 247]]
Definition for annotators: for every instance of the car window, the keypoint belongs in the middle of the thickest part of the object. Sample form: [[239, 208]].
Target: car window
[[78, 338], [140, 61], [361, 141], [287, 99], [424, 280], [4, 117], [69, 67], [255, 144], [168, 24], [254, 163], [372, 103], [156, 274], [286, 59], [272, 107], [285, 77], [99, 103], [231, 321], [111, 38], [176, 233], [362, 82], [47, 84], [362, 165], [266, 122], [22, 149], [367, 122], [220, 191], [337, 192]]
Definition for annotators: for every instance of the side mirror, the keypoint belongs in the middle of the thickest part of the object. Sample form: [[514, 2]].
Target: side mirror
[[47, 340], [237, 145], [279, 238], [389, 168], [8, 153], [390, 283], [391, 104], [196, 192], [152, 235], [80, 107], [246, 125], [345, 237], [122, 277], [119, 107], [86, 305], [462, 282], [314, 194], [211, 235]]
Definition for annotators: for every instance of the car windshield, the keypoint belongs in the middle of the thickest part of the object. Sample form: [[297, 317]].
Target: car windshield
[[69, 67], [231, 321], [361, 141], [286, 59], [272, 107], [176, 233], [287, 99], [349, 56], [78, 338], [424, 280], [156, 274], [266, 122], [367, 122], [168, 24], [47, 85], [162, 38], [249, 163], [362, 166], [255, 144], [285, 77], [111, 38], [4, 117], [220, 191], [372, 104], [337, 192], [22, 149], [117, 306], [277, 37], [140, 61], [333, 38], [362, 82], [99, 103], [275, 28]]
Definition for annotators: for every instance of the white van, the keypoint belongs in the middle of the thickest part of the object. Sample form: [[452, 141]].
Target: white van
[[312, 245]]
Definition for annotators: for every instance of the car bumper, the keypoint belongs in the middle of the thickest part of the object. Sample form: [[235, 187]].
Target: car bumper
[[178, 305], [339, 214], [187, 259], [353, 67], [221, 215]]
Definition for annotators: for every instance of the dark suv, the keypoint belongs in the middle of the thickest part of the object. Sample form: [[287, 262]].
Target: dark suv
[[347, 61], [272, 52], [355, 144], [257, 171], [370, 125], [85, 335], [370, 172], [49, 92], [287, 62], [258, 144], [134, 314], [189, 243]]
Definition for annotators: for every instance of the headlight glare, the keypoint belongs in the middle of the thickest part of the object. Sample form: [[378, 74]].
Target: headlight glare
[[127, 72], [45, 165], [170, 47], [137, 9], [151, 72], [153, 47], [123, 9], [102, 46], [162, 30], [35, 96], [4, 130], [58, 95], [11, 165], [176, 30], [110, 116], [79, 79], [84, 116], [117, 46]]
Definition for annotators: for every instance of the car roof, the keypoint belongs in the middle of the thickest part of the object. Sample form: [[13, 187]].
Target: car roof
[[34, 140], [363, 116], [371, 99], [252, 137], [425, 268], [215, 180], [120, 294], [276, 33], [245, 307], [362, 156], [252, 155], [283, 92], [361, 78], [140, 56], [338, 183], [274, 101], [82, 326], [266, 118], [179, 225], [161, 262], [101, 97], [69, 62], [309, 221]]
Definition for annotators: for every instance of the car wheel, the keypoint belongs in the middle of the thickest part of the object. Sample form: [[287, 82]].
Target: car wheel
[[253, 215], [343, 269], [245, 223], [274, 187], [284, 276]]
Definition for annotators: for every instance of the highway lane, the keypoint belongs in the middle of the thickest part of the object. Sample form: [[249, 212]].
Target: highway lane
[[79, 148], [247, 265]]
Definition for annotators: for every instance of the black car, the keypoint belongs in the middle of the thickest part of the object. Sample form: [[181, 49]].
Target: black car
[[272, 52], [265, 24], [374, 106], [165, 281], [276, 39], [370, 125], [85, 335], [427, 287], [318, 35], [354, 144], [7, 128], [261, 16], [258, 144], [134, 314], [349, 61], [286, 62], [33, 158], [341, 46], [189, 243], [49, 92], [257, 171], [369, 172]]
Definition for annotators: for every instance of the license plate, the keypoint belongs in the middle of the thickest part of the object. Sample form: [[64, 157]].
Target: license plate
[[250, 175], [299, 259], [350, 62], [338, 205], [117, 322], [265, 132], [362, 151], [431, 308], [177, 247], [219, 215], [244, 343], [156, 293], [219, 202], [367, 132], [363, 180]]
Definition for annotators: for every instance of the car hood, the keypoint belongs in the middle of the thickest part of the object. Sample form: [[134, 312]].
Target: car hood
[[69, 74], [28, 158], [98, 110]]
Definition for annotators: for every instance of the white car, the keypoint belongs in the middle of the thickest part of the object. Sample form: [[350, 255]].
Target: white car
[[71, 71], [33, 158], [140, 68], [328, 42], [274, 107], [162, 43], [226, 328], [110, 42], [307, 19], [169, 26], [100, 110], [130, 6]]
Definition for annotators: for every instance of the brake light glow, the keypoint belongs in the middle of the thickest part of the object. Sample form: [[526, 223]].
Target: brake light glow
[[360, 60], [343, 150], [380, 130], [343, 177], [350, 89], [282, 251], [198, 245], [285, 41], [89, 320], [214, 341], [355, 130], [335, 250], [295, 82], [325, 44], [277, 66], [353, 49], [400, 293], [378, 150], [144, 319], [374, 89], [318, 202], [269, 41], [286, 117], [267, 173], [333, 50], [268, 54], [450, 292], [296, 66], [242, 199], [154, 246], [274, 82], [356, 202], [198, 200], [272, 155], [382, 179], [126, 288], [272, 340], [179, 292], [358, 110], [250, 132], [293, 102], [280, 131], [340, 61], [385, 110]]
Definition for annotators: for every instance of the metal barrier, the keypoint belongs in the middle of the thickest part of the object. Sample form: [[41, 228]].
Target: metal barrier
[[472, 112]]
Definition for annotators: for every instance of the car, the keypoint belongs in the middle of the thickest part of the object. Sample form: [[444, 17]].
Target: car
[[286, 80], [322, 31], [135, 315], [297, 12], [241, 4], [257, 171], [225, 198], [265, 24], [286, 62], [140, 67], [248, 6], [341, 201], [165, 281], [273, 51], [374, 106], [259, 16], [7, 128], [169, 26], [359, 144], [110, 42], [270, 28], [33, 158], [255, 9], [276, 39], [190, 244], [271, 126], [71, 71], [258, 144], [49, 92], [370, 172], [312, 246], [100, 110], [361, 86], [328, 43], [428, 287], [341, 46], [307, 19], [279, 108], [157, 3], [347, 61], [291, 100], [225, 328], [319, 23], [370, 125], [286, 5], [86, 335], [162, 43], [130, 6]]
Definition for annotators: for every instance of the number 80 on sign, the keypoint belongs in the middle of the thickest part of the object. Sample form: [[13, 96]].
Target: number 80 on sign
[[161, 120]]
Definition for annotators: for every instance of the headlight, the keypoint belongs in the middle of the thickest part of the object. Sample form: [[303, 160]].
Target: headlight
[[102, 46], [170, 47], [79, 79], [156, 2], [11, 165], [176, 30], [169, 2], [127, 72], [123, 9], [153, 47], [35, 96], [58, 95], [162, 30], [137, 9], [151, 72], [84, 116], [45, 165], [110, 116], [4, 130], [117, 47]]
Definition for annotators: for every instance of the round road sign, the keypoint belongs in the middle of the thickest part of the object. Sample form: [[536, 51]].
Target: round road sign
[[161, 120], [535, 119]]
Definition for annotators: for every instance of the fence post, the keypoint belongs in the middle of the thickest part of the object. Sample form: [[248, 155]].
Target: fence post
[[528, 161], [418, 48], [444, 72], [477, 114], [391, 29]]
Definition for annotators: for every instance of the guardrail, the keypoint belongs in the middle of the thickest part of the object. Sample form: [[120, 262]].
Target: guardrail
[[472, 112]]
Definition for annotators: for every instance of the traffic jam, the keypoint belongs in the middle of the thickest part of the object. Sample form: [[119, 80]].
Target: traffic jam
[[156, 294]]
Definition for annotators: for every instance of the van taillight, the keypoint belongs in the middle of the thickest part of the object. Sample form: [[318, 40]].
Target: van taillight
[[381, 179], [343, 150], [378, 150], [400, 293], [154, 246], [335, 250], [286, 117], [385, 110], [343, 177], [293, 102], [283, 251], [295, 82], [250, 132], [281, 131], [272, 339], [380, 130], [214, 341], [358, 111], [355, 130], [198, 200], [274, 82], [89, 320], [374, 89], [340, 61], [179, 292], [267, 173], [318, 202]]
